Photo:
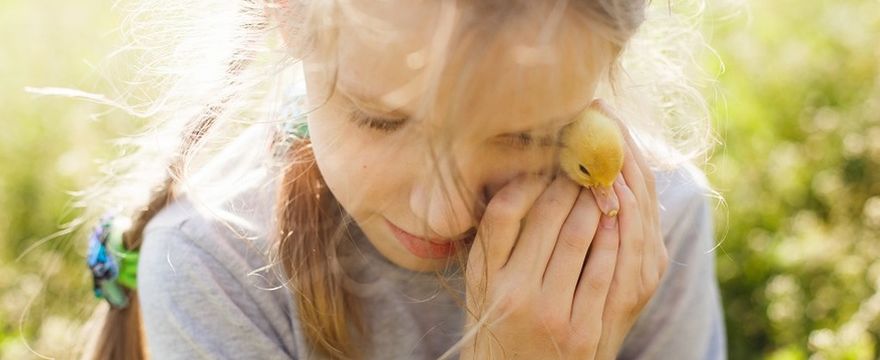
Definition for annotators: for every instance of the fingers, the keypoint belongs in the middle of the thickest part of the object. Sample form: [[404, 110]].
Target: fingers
[[500, 225], [639, 178], [564, 269], [631, 259], [659, 261], [541, 228], [639, 158], [595, 281], [635, 168], [606, 200]]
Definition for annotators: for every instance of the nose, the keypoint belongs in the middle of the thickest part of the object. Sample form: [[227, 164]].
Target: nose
[[451, 210], [452, 205]]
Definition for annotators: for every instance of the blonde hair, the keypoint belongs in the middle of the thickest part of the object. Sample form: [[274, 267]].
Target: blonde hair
[[212, 80]]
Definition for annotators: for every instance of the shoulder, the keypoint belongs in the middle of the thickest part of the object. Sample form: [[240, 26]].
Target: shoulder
[[234, 236], [184, 242], [194, 267], [684, 197]]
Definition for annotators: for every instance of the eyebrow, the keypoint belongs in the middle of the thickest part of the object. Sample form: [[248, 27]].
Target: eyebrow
[[365, 102]]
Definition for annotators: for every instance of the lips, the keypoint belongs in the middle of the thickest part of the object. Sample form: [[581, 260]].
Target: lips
[[424, 248]]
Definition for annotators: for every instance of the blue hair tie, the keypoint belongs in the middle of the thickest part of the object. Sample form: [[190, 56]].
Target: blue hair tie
[[113, 267]]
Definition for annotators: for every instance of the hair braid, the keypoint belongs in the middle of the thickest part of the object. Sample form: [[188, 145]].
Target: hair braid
[[121, 333]]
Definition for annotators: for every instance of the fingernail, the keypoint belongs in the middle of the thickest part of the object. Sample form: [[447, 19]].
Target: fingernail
[[601, 104], [619, 180], [608, 222]]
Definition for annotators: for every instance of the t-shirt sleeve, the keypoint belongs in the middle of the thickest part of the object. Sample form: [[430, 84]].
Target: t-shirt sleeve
[[684, 319], [198, 302]]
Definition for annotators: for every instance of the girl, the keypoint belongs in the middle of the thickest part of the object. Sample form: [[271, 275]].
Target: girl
[[403, 199]]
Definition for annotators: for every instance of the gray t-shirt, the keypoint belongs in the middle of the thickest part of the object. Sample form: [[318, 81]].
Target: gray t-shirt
[[207, 290]]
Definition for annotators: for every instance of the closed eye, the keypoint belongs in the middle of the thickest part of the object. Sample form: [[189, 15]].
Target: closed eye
[[527, 139], [519, 140], [376, 123]]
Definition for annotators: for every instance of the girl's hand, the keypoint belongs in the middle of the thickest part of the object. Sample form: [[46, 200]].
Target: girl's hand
[[551, 275], [643, 259]]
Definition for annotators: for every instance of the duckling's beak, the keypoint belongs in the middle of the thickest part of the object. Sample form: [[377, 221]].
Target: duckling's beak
[[606, 199]]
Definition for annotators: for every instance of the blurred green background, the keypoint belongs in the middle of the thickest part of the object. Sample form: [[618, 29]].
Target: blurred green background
[[47, 147], [797, 108]]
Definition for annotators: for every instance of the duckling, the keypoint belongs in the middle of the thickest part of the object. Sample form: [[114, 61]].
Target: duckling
[[592, 156]]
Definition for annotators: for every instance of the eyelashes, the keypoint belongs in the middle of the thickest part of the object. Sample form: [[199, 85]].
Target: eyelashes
[[383, 125], [521, 140]]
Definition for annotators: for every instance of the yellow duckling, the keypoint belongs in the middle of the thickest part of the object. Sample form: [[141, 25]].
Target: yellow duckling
[[592, 155]]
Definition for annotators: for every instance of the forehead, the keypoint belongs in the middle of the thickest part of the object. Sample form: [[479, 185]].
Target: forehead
[[519, 72]]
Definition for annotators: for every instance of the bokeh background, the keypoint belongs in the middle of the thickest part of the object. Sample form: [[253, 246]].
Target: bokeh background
[[797, 107]]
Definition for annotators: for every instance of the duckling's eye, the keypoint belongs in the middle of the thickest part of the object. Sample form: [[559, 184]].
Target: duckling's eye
[[583, 169]]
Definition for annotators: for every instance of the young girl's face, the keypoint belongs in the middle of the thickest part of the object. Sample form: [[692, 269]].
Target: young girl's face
[[500, 92]]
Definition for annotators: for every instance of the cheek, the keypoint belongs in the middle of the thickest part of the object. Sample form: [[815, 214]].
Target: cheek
[[360, 168], [341, 166]]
